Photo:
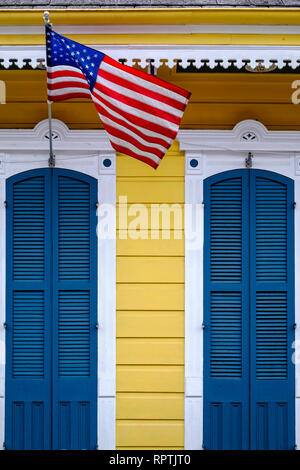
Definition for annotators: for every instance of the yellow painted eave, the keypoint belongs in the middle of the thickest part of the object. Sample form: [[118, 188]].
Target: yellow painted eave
[[279, 16]]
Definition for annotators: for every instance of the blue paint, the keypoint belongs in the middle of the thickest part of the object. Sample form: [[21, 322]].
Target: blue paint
[[248, 307], [51, 363], [65, 52], [107, 162], [194, 163]]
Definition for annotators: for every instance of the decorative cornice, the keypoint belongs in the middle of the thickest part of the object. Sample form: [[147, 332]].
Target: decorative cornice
[[248, 135], [212, 56], [66, 140]]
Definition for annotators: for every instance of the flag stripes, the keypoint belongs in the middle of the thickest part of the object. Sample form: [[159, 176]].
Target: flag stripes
[[140, 112]]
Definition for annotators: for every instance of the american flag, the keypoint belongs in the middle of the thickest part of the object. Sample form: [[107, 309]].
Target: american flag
[[140, 112]]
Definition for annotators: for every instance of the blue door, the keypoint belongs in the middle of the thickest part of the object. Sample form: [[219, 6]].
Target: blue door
[[51, 359], [249, 384]]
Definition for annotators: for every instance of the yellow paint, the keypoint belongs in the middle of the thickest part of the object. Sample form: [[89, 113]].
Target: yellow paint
[[152, 191], [154, 16], [150, 324], [149, 378], [150, 312], [150, 269], [150, 351], [150, 297], [150, 433], [150, 406], [149, 247], [184, 39], [218, 101]]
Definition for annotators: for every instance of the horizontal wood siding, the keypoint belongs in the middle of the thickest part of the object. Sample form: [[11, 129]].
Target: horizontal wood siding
[[150, 313]]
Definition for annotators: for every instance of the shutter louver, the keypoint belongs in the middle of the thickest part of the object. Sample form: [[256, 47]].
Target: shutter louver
[[28, 334], [74, 333], [74, 229], [28, 229], [271, 335], [226, 334], [226, 231], [28, 265], [271, 231]]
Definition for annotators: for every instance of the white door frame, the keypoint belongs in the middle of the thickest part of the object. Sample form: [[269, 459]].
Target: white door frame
[[88, 152], [208, 152]]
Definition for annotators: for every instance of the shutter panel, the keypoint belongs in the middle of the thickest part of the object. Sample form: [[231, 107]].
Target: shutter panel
[[28, 369], [75, 311], [272, 311], [226, 301]]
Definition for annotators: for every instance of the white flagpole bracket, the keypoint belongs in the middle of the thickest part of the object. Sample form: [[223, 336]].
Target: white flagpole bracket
[[51, 160]]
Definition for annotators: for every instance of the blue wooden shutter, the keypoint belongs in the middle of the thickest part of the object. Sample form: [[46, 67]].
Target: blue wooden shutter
[[75, 311], [28, 358], [272, 311], [226, 307]]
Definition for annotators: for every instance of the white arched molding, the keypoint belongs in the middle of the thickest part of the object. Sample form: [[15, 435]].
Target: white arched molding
[[208, 152], [89, 152]]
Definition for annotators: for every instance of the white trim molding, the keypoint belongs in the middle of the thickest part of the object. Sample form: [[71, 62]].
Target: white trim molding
[[208, 152], [210, 55], [87, 152]]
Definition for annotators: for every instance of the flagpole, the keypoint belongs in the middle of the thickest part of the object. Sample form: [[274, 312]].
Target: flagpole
[[51, 160]]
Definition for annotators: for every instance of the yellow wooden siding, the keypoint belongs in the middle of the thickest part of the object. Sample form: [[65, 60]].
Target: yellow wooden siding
[[150, 324], [150, 433], [218, 101], [149, 378], [150, 312]]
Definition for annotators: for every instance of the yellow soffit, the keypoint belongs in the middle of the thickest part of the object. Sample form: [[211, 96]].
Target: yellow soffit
[[258, 16]]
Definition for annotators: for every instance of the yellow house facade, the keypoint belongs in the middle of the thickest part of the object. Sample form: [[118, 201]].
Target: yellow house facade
[[185, 357]]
